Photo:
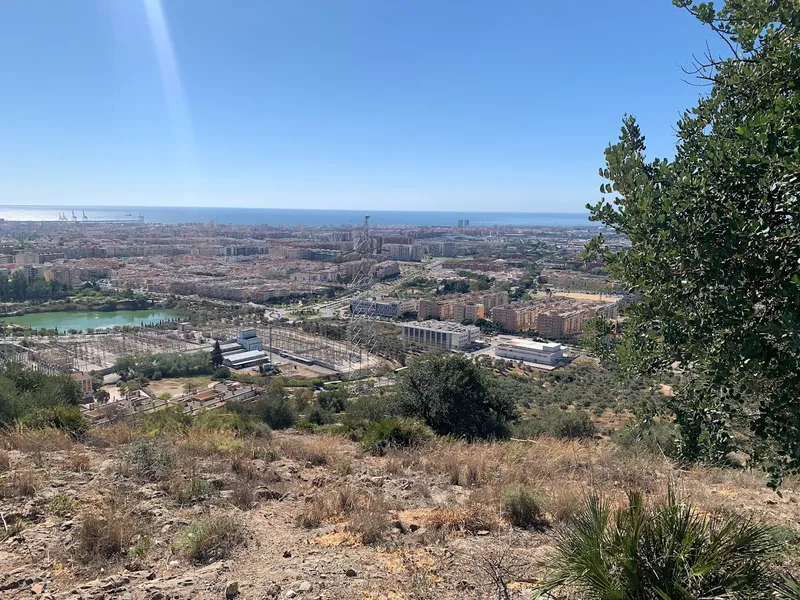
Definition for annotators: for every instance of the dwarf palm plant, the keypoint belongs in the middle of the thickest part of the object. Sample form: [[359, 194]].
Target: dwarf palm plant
[[664, 551]]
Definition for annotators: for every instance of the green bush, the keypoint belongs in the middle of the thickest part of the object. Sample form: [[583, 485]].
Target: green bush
[[385, 435], [148, 458], [666, 550], [453, 396], [24, 392], [319, 416], [523, 508], [221, 373], [277, 412], [555, 422], [176, 364], [367, 409], [210, 538], [169, 419], [333, 401], [651, 436], [68, 418]]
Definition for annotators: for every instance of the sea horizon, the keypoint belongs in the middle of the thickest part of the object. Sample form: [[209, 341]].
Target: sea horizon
[[290, 217]]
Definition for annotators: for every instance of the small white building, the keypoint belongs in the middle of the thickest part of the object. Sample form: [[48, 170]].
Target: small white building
[[440, 334], [530, 351]]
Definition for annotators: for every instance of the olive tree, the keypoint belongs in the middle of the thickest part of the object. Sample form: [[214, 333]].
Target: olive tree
[[715, 240]]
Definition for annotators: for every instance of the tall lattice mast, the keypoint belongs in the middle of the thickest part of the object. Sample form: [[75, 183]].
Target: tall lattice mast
[[361, 335]]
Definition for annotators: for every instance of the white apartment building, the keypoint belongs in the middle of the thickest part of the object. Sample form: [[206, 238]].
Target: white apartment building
[[530, 351], [408, 252], [440, 334], [381, 308]]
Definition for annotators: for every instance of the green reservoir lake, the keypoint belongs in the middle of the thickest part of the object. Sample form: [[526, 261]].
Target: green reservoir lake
[[83, 320]]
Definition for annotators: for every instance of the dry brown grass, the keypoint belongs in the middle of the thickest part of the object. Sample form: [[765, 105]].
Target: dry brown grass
[[243, 496], [80, 462], [114, 435], [471, 518], [105, 535], [370, 521], [562, 502], [5, 461], [204, 442], [21, 483], [36, 441], [366, 511], [317, 450]]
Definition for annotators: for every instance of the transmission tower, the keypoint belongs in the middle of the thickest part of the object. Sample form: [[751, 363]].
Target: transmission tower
[[361, 335]]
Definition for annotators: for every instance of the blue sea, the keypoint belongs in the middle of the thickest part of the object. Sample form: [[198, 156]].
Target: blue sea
[[277, 217]]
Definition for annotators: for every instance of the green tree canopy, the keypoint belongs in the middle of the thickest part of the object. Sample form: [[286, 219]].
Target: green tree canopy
[[715, 239], [452, 395], [216, 355]]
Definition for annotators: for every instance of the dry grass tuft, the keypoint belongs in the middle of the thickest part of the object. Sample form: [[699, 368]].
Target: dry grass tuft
[[201, 441], [244, 468], [36, 441], [5, 461], [106, 536], [213, 537], [78, 462], [470, 518], [21, 483], [243, 496], [316, 450], [370, 521], [366, 512], [107, 436]]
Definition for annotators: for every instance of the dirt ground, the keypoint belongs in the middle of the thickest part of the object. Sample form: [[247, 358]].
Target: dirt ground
[[175, 386], [583, 296], [309, 516]]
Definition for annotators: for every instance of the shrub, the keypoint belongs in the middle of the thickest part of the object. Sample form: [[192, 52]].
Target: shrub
[[382, 436], [67, 418], [555, 422], [367, 409], [452, 396], [319, 416], [651, 436], [333, 401], [221, 373], [62, 504], [192, 491], [170, 419], [210, 538], [276, 412], [523, 508], [105, 536], [149, 459], [665, 550]]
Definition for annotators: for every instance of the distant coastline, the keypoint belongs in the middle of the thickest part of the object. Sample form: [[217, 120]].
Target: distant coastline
[[291, 217]]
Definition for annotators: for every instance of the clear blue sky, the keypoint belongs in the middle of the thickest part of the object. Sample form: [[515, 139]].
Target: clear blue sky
[[418, 104]]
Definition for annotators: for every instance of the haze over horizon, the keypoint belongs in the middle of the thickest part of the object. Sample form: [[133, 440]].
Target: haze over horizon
[[349, 105]]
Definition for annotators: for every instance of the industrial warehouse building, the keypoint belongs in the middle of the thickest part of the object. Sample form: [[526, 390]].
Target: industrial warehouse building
[[440, 334], [530, 351], [244, 360]]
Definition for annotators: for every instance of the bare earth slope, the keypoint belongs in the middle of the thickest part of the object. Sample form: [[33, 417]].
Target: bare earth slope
[[205, 514]]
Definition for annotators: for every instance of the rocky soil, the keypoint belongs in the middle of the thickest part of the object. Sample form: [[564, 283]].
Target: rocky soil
[[313, 516]]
